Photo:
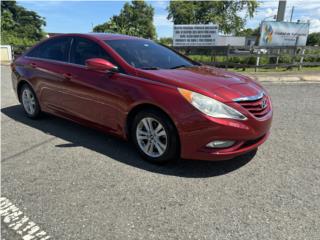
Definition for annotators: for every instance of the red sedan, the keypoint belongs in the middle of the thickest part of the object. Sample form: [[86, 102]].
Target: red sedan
[[134, 88]]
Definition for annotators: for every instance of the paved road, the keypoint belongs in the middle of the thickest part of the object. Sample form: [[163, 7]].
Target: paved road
[[76, 183]]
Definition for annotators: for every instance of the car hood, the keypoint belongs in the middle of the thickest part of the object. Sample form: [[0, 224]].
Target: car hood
[[208, 80]]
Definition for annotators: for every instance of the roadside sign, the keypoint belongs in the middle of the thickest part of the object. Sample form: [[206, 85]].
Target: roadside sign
[[195, 35], [283, 34]]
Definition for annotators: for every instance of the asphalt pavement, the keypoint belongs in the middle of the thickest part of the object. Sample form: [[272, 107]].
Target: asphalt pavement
[[73, 182]]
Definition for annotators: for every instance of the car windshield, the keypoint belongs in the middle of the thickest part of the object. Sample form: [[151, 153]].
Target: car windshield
[[146, 54]]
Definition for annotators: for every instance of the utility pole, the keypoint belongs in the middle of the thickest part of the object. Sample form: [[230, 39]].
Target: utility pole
[[281, 10], [280, 18], [292, 13]]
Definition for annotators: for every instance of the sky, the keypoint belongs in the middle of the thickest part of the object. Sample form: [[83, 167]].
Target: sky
[[80, 16]]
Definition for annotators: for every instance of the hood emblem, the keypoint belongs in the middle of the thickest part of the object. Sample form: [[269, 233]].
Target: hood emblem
[[264, 103]]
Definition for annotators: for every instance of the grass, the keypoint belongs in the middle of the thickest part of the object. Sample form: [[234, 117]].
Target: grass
[[295, 69], [251, 61]]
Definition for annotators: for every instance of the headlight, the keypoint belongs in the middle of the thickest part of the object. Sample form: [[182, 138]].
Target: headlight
[[210, 106]]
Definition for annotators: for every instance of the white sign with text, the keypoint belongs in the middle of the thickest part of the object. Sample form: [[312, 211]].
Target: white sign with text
[[195, 35]]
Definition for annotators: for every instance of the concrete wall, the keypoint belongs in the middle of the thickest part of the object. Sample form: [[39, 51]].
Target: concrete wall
[[6, 53]]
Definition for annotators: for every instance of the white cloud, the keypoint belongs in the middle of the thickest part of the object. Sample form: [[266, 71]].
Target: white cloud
[[304, 5], [314, 23], [268, 4], [270, 12], [161, 3], [301, 7], [300, 4], [262, 14], [161, 20], [304, 10]]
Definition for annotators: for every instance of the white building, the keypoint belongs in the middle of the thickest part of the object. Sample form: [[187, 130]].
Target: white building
[[230, 40]]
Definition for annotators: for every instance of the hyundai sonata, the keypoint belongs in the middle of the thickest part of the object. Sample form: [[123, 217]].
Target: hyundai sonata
[[167, 104]]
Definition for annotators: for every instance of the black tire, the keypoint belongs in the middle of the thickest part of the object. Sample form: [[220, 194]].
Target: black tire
[[36, 112], [171, 151]]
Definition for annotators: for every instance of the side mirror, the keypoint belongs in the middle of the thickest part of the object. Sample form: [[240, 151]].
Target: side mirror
[[100, 64]]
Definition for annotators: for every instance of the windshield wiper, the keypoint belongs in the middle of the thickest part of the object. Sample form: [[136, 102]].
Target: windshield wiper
[[180, 66], [150, 68]]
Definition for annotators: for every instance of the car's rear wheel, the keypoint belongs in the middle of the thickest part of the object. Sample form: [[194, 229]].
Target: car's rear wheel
[[29, 101], [155, 136]]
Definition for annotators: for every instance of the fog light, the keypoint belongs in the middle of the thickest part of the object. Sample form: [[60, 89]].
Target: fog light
[[220, 144]]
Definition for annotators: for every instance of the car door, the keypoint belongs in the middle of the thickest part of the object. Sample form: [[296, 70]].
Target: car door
[[89, 94], [45, 66]]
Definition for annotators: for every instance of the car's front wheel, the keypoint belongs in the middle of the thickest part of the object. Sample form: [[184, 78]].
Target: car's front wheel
[[29, 101], [155, 136]]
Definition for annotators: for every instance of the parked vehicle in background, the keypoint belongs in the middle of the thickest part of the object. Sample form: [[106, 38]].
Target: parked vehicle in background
[[260, 50], [167, 104]]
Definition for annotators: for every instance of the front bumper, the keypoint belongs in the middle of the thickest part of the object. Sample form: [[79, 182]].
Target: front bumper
[[198, 131]]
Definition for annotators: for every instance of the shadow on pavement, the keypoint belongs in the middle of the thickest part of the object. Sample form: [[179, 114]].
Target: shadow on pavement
[[79, 136]]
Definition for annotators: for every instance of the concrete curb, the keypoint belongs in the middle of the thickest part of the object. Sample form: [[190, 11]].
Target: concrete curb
[[285, 77]]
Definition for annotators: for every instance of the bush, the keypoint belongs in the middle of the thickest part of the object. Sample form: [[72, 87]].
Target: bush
[[205, 57]]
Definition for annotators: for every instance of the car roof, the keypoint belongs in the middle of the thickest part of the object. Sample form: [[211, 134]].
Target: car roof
[[101, 36]]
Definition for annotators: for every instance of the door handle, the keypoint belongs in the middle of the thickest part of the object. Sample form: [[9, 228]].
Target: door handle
[[67, 76], [33, 65]]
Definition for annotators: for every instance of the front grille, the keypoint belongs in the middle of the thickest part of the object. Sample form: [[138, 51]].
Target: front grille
[[259, 107]]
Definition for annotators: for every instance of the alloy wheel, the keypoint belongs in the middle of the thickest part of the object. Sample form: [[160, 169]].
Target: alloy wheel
[[29, 101], [151, 137]]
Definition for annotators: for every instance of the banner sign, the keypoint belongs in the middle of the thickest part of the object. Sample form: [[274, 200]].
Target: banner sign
[[195, 35], [283, 34]]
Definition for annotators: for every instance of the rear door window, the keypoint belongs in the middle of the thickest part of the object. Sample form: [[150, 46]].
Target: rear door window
[[55, 49]]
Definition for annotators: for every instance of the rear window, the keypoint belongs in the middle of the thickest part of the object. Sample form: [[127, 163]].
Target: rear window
[[54, 49]]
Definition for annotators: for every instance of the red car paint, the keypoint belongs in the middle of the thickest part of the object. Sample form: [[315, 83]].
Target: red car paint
[[105, 100]]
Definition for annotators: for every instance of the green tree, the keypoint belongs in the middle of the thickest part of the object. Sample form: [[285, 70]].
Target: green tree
[[248, 32], [166, 41], [135, 18], [20, 26], [313, 39], [223, 13]]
